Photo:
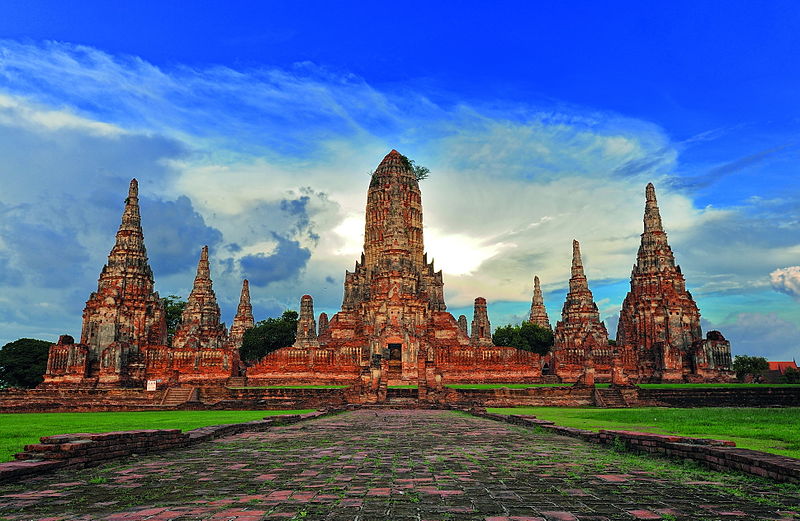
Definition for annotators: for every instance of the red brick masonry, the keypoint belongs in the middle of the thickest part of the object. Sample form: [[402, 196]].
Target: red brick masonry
[[717, 454], [86, 450]]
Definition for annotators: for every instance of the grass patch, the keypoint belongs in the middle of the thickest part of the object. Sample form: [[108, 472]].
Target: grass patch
[[769, 430], [291, 387], [714, 386], [20, 429], [499, 386]]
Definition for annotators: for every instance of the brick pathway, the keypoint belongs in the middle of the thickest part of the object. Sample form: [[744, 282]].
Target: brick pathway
[[397, 465]]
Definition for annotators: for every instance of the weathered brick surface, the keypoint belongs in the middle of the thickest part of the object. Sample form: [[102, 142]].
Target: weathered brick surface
[[538, 315], [77, 450], [581, 351], [716, 454], [393, 327], [660, 320], [400, 466]]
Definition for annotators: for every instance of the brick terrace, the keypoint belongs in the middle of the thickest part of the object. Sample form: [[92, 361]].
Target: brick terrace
[[398, 465]]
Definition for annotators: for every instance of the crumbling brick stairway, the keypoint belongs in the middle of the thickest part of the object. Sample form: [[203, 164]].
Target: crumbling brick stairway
[[236, 381], [175, 396], [611, 398], [402, 396]]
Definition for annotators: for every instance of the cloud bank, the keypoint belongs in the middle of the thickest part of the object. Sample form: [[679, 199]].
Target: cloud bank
[[269, 168]]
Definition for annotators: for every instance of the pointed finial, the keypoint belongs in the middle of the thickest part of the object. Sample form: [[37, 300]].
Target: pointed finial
[[576, 254], [133, 189], [652, 216], [203, 270], [245, 296], [650, 192], [536, 282]]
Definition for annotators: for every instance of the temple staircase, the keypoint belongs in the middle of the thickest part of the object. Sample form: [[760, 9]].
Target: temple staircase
[[610, 398], [175, 396], [236, 381], [402, 396]]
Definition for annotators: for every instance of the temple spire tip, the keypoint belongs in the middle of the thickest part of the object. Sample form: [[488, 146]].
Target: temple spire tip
[[133, 188]]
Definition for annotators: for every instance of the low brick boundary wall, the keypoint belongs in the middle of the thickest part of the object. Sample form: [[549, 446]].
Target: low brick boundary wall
[[64, 451], [716, 454], [767, 396]]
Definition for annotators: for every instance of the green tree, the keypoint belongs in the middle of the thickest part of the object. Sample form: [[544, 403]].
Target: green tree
[[268, 335], [173, 308], [420, 172], [23, 362], [745, 366], [526, 336], [791, 376]]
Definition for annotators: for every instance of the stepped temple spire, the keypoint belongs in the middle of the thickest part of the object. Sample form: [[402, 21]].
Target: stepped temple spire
[[579, 307], [200, 322], [538, 315], [659, 317], [306, 325], [243, 320], [393, 225], [322, 324], [481, 328], [125, 310], [579, 335], [393, 265], [462, 325]]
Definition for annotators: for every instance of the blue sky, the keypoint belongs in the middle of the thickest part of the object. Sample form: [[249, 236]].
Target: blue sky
[[251, 127]]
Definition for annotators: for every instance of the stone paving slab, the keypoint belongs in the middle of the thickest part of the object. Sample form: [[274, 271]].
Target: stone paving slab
[[397, 465]]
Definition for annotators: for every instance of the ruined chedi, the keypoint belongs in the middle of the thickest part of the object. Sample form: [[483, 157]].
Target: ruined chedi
[[243, 320], [393, 326], [306, 335], [538, 315], [659, 317], [120, 318], [580, 337], [481, 328], [200, 321]]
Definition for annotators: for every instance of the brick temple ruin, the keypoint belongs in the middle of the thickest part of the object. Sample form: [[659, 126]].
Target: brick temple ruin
[[393, 328]]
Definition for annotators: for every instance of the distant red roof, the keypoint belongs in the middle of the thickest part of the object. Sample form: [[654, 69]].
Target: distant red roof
[[782, 366]]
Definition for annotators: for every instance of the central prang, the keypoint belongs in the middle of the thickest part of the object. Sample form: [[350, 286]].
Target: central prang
[[394, 289], [393, 327]]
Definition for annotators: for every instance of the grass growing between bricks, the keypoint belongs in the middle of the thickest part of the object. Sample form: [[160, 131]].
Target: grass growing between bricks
[[401, 465], [770, 430], [20, 429]]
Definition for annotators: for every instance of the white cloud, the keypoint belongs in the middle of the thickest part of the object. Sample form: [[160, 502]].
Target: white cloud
[[787, 280], [509, 188]]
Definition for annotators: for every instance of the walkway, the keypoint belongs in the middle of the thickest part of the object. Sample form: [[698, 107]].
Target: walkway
[[396, 465]]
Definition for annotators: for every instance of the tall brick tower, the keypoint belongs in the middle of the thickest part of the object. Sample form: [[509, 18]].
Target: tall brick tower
[[200, 321], [659, 318], [538, 315], [243, 320], [391, 295], [393, 326], [124, 314], [579, 335]]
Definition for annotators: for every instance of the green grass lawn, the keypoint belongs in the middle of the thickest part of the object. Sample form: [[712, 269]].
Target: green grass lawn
[[20, 429], [292, 387], [769, 430], [724, 386], [498, 386]]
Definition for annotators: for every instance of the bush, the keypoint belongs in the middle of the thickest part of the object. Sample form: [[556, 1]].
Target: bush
[[23, 362], [269, 335], [749, 366], [791, 376], [526, 336]]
